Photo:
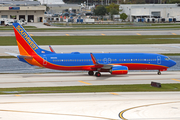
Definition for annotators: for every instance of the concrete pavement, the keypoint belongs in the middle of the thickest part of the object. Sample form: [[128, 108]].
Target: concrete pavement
[[137, 48], [81, 79], [91, 106]]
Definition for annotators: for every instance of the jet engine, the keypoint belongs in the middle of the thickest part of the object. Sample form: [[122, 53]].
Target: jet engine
[[119, 70]]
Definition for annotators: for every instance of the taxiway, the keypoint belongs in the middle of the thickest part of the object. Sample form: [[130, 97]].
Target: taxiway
[[91, 106], [80, 79], [138, 48], [100, 33]]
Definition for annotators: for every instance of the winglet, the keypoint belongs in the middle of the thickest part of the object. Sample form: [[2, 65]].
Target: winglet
[[52, 50], [94, 59]]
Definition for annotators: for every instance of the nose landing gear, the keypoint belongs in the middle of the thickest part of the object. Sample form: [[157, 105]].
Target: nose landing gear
[[159, 72]]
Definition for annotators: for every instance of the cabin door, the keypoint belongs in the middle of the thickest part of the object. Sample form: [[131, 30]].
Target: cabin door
[[44, 60], [158, 59]]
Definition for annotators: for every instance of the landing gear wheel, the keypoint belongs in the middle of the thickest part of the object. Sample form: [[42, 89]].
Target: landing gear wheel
[[159, 73], [98, 74], [91, 73]]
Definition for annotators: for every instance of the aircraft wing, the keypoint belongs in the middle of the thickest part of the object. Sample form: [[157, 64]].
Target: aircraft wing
[[113, 69], [99, 66]]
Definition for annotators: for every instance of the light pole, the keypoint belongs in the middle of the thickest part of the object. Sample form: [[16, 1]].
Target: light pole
[[87, 3]]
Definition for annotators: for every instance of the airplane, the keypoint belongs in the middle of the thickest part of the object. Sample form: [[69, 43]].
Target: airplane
[[114, 63]]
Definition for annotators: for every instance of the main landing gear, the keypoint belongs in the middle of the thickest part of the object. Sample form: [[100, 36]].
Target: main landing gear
[[97, 74], [159, 72], [91, 73]]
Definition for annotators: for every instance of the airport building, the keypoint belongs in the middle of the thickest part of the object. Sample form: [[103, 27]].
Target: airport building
[[60, 8], [163, 11], [32, 11], [51, 1]]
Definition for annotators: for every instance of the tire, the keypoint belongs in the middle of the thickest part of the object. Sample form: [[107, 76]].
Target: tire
[[159, 73], [98, 74], [91, 73]]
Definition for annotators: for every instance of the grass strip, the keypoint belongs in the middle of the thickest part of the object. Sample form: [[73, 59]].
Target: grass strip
[[96, 40], [86, 27], [86, 89], [171, 54]]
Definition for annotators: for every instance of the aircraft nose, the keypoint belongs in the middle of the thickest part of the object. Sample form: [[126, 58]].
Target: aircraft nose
[[173, 63]]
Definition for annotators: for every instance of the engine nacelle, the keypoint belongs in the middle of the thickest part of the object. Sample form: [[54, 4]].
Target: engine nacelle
[[119, 70]]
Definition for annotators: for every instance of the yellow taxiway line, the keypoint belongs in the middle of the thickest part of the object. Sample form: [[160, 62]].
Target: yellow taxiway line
[[18, 95], [85, 82], [47, 113], [114, 93], [122, 112], [176, 80], [174, 33]]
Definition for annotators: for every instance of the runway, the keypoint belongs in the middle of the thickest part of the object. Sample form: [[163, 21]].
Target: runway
[[99, 32], [91, 106], [82, 79]]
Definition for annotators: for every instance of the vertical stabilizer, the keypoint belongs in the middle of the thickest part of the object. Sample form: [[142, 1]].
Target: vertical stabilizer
[[26, 45]]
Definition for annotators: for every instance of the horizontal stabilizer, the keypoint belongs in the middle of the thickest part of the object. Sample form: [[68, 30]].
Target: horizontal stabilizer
[[25, 57], [12, 54]]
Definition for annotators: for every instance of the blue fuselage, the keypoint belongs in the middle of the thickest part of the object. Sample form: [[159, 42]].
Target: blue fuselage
[[134, 61]]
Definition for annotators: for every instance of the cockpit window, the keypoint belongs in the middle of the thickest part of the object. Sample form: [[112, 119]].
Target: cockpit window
[[167, 58]]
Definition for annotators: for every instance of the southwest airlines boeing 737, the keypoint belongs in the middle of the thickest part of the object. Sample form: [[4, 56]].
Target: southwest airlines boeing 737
[[115, 63]]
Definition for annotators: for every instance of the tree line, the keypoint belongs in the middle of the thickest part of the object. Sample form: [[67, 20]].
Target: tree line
[[112, 9]]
